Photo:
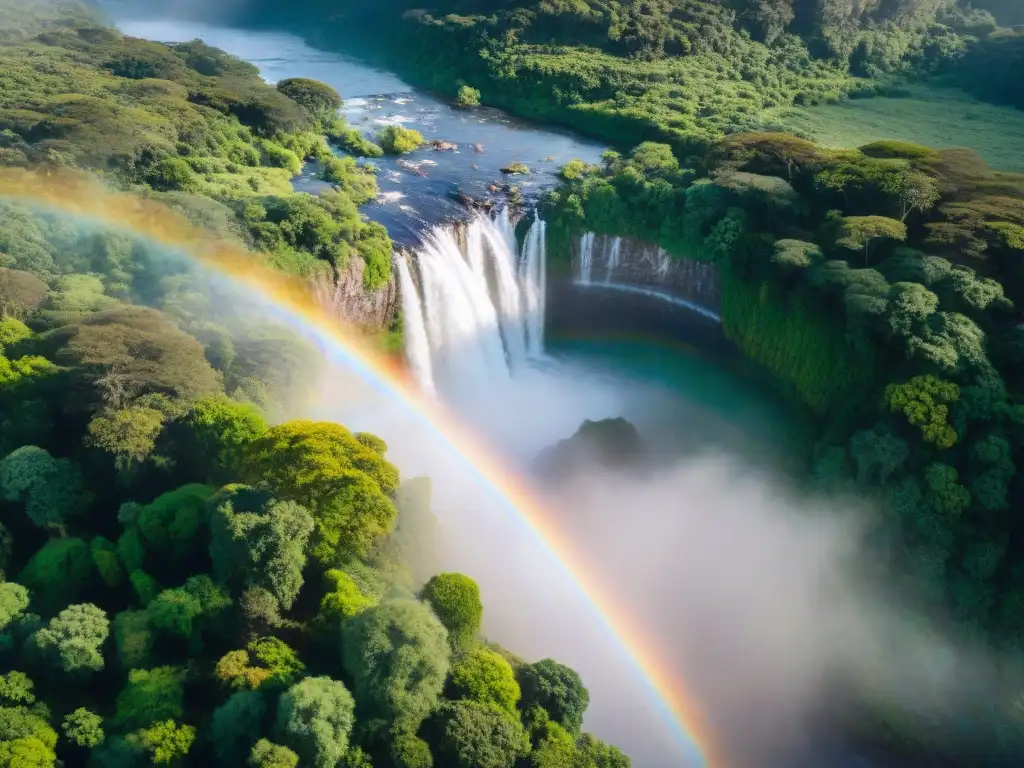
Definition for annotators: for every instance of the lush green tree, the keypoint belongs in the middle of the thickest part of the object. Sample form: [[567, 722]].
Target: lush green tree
[[946, 495], [397, 656], [172, 526], [324, 467], [315, 718], [267, 663], [12, 331], [924, 400], [84, 728], [16, 689], [467, 97], [859, 232], [52, 490], [237, 725], [596, 754], [266, 754], [128, 434], [218, 434], [555, 748], [150, 696], [409, 751], [455, 599], [26, 739], [256, 541], [74, 638], [913, 191], [485, 676], [59, 572], [168, 741], [796, 254], [555, 688], [342, 601], [396, 140], [319, 101], [13, 602], [476, 735]]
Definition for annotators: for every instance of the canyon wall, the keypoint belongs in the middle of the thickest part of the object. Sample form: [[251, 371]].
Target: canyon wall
[[344, 296], [605, 260]]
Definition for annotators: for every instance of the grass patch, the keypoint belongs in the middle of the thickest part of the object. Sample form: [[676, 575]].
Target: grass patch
[[935, 117]]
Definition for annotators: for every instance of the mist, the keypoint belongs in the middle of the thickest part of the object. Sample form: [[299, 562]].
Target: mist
[[761, 603]]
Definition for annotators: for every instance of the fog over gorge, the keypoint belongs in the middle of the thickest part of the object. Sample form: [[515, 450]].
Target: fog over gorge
[[757, 600]]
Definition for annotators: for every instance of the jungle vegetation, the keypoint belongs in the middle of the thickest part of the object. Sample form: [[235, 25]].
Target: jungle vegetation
[[188, 125], [184, 578], [883, 286]]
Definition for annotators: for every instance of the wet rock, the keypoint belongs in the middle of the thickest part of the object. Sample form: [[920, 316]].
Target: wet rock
[[345, 298], [440, 145], [611, 445], [411, 167], [478, 148]]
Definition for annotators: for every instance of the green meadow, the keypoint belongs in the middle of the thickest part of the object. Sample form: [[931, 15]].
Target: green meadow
[[933, 116]]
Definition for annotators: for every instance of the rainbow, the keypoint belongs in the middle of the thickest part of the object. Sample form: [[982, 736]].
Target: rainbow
[[79, 195]]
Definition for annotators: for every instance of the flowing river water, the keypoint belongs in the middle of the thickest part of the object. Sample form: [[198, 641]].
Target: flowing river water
[[685, 398]]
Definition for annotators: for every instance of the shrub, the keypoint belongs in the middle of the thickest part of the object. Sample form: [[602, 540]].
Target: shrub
[[396, 140], [455, 599], [467, 97]]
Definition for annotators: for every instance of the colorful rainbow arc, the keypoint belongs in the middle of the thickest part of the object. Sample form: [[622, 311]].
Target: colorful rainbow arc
[[79, 195]]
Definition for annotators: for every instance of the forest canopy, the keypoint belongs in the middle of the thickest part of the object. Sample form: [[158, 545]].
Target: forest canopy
[[186, 579]]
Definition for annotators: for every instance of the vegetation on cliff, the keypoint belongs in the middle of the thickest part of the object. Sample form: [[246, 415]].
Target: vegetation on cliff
[[182, 583], [883, 285]]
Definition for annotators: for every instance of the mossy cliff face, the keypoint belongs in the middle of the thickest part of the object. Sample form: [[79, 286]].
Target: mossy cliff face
[[345, 295]]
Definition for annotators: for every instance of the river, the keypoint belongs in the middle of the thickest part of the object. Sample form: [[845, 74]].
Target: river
[[697, 401]]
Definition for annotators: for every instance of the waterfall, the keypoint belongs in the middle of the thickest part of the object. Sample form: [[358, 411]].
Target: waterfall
[[586, 258], [502, 244], [614, 252], [416, 343], [477, 312], [534, 281]]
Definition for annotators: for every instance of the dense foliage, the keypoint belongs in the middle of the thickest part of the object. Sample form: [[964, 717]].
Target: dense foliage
[[882, 285], [677, 71], [187, 124], [184, 579]]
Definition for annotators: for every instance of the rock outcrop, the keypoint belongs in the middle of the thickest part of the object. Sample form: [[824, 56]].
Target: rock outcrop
[[346, 298]]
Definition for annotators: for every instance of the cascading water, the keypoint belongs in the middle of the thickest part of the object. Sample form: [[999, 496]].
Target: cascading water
[[534, 281], [586, 258], [614, 248], [477, 313], [417, 345]]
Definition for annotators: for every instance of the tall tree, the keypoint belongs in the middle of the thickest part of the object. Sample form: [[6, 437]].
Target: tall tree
[[256, 541], [397, 655], [315, 718]]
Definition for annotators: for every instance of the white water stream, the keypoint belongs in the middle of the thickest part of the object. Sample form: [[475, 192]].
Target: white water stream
[[476, 314]]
